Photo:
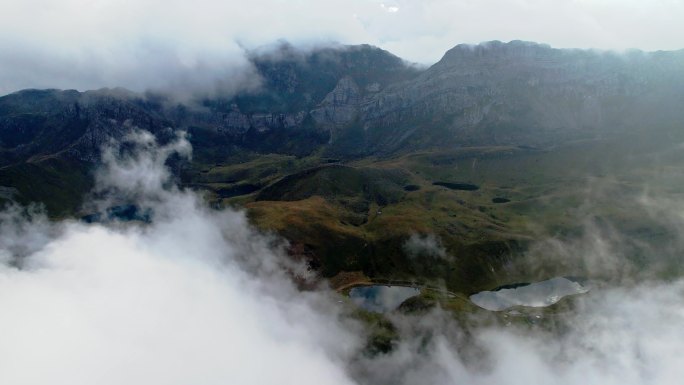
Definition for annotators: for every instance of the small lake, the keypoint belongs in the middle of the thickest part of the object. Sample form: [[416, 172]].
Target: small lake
[[538, 294], [381, 298]]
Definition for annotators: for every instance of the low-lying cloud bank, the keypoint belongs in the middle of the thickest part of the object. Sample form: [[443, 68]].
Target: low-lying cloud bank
[[198, 296], [620, 336]]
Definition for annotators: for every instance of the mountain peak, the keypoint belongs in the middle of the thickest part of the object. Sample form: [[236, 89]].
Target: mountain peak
[[496, 49]]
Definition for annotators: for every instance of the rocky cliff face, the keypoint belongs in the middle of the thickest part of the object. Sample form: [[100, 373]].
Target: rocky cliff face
[[340, 107], [68, 123], [516, 93], [307, 99], [526, 93], [236, 122]]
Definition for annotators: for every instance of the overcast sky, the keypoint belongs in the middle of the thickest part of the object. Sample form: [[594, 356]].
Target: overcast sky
[[160, 44]]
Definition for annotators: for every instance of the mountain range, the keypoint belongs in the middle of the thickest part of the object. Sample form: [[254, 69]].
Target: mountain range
[[359, 100], [337, 140]]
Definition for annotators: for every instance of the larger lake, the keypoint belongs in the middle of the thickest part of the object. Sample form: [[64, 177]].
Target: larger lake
[[538, 294]]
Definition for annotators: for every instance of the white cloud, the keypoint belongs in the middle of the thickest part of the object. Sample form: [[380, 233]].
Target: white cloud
[[389, 8], [196, 297], [428, 245]]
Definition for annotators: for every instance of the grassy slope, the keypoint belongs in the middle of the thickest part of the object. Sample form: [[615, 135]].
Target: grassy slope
[[357, 217], [57, 183]]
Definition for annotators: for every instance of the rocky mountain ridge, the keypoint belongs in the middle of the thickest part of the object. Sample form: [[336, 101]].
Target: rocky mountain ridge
[[361, 100], [516, 93], [35, 123], [523, 93]]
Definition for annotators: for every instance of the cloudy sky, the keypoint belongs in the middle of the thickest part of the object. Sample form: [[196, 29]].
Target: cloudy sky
[[157, 44]]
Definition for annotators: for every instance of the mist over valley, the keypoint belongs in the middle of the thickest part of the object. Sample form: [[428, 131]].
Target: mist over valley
[[216, 203]]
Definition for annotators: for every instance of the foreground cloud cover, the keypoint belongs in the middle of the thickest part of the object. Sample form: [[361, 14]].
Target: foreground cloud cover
[[199, 46], [198, 296]]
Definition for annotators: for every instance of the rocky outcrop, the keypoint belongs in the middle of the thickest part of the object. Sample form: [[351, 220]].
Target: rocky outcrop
[[110, 118], [238, 123], [340, 107]]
